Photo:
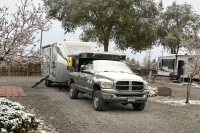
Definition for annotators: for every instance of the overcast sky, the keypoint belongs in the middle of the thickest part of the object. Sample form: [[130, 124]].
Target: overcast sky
[[57, 33]]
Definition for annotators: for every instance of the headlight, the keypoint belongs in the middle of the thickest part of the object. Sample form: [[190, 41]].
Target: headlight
[[146, 85], [105, 84]]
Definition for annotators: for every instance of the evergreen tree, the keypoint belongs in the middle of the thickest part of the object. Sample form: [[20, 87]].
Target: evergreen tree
[[129, 23]]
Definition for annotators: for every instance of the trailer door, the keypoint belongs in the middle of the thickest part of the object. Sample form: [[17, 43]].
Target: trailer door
[[181, 63], [46, 61], [53, 63]]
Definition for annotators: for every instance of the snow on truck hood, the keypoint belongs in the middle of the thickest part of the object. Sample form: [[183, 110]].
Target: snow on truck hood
[[120, 76]]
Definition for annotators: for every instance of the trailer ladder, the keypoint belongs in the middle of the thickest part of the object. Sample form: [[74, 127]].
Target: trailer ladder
[[45, 78]]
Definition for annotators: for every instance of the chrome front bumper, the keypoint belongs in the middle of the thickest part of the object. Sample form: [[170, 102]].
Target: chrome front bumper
[[110, 95]]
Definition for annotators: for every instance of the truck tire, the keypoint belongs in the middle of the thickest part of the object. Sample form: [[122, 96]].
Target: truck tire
[[48, 83], [138, 106], [97, 101], [73, 93]]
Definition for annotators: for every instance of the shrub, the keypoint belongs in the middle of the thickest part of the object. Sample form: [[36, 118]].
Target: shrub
[[14, 119], [153, 91]]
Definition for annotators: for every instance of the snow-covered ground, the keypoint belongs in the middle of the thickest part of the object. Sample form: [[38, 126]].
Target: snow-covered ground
[[193, 84], [14, 118], [174, 102], [12, 114], [169, 100]]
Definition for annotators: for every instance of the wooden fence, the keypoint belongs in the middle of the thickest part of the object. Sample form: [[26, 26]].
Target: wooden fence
[[30, 70], [35, 70]]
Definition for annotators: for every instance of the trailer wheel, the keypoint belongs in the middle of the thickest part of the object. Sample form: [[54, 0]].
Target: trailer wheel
[[97, 100], [48, 83], [138, 106], [73, 93]]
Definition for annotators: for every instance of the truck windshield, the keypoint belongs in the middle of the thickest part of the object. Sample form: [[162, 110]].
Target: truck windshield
[[110, 66]]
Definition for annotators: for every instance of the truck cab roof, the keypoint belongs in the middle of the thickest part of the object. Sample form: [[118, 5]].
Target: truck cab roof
[[99, 55]]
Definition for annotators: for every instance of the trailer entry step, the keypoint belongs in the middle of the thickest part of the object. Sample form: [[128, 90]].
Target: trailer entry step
[[40, 81]]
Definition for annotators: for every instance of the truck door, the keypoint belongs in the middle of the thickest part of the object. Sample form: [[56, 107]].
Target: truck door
[[85, 79]]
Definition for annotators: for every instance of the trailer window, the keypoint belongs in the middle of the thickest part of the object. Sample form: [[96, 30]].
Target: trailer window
[[171, 64], [168, 63], [59, 52], [165, 62]]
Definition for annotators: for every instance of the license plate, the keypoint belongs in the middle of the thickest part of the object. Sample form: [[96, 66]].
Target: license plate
[[131, 99]]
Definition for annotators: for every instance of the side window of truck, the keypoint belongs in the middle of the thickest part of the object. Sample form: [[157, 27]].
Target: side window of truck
[[89, 66]]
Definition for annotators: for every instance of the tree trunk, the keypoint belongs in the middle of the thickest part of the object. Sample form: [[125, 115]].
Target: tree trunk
[[175, 64], [188, 90], [106, 44], [107, 37]]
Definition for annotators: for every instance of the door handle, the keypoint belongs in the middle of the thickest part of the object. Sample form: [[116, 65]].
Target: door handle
[[85, 76]]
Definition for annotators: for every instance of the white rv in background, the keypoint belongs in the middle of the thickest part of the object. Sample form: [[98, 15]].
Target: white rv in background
[[166, 64], [54, 64]]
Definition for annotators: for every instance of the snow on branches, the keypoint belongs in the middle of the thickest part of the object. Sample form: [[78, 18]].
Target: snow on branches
[[193, 47], [193, 64], [17, 33]]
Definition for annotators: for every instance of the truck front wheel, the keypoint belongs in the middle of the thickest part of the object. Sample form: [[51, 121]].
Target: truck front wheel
[[73, 93], [138, 106], [97, 100]]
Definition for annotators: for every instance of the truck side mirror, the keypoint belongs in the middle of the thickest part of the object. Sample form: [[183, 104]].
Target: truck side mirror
[[82, 68]]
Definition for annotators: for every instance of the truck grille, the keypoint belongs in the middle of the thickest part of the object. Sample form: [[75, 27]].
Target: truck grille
[[129, 85], [122, 83], [137, 83]]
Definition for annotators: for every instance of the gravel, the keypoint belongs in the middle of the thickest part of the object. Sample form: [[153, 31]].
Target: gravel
[[58, 111]]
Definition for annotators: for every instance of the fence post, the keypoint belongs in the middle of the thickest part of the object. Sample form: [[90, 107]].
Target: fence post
[[9, 69], [150, 72], [27, 70]]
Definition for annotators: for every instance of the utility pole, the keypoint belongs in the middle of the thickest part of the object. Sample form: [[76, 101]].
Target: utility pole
[[41, 40], [162, 53]]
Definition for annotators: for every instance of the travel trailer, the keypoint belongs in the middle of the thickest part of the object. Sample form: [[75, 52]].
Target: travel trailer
[[167, 64], [55, 56]]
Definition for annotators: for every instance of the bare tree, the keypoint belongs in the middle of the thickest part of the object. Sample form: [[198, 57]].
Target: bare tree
[[17, 33], [147, 60], [193, 64], [154, 63], [132, 63], [127, 61]]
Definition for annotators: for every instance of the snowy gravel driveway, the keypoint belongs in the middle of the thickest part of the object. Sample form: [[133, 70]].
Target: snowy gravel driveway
[[78, 116]]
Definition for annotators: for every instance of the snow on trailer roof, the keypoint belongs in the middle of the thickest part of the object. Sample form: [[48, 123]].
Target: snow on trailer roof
[[72, 42], [174, 55], [100, 55]]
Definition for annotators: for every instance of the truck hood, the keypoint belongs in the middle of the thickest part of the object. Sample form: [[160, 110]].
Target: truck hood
[[118, 76]]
